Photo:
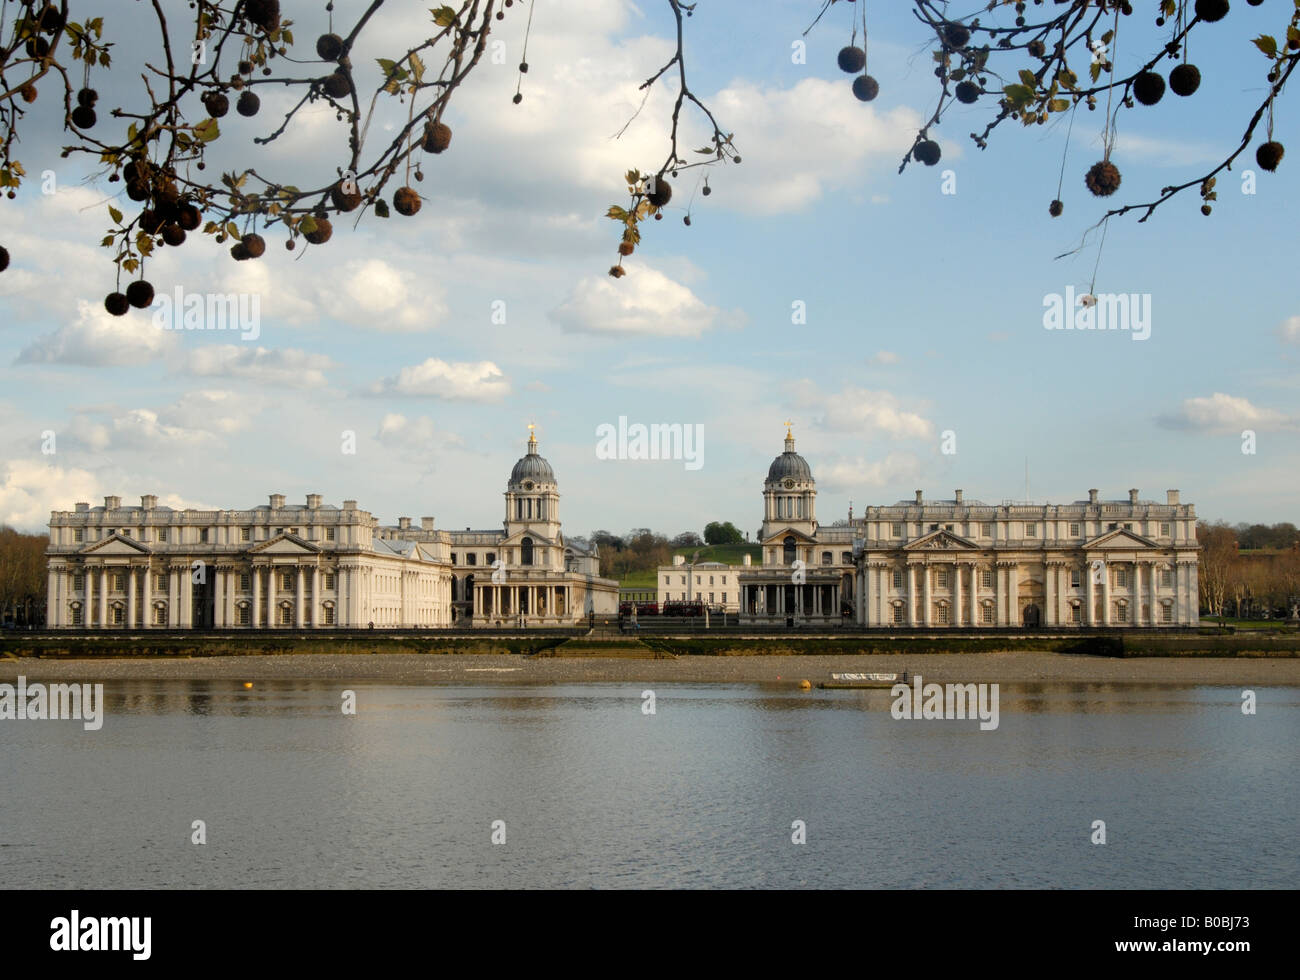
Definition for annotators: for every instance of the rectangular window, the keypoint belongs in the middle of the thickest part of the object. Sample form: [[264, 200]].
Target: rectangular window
[[76, 616], [710, 579], [683, 583], [242, 615], [1164, 530], [1121, 578], [245, 534], [1074, 530], [1128, 527], [1076, 614], [471, 559], [710, 598], [896, 529], [943, 615], [724, 582], [900, 615], [453, 559], [986, 578], [329, 615], [118, 582], [846, 558], [286, 581], [986, 615], [697, 580], [941, 578], [1167, 578], [898, 578], [203, 535], [1166, 612], [329, 580], [329, 534], [724, 598], [491, 558], [986, 530], [826, 557], [119, 616], [78, 581], [245, 581], [1031, 530], [1121, 613], [1076, 578], [78, 535]]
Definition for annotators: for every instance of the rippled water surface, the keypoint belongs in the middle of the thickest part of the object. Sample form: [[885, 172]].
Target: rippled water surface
[[594, 792]]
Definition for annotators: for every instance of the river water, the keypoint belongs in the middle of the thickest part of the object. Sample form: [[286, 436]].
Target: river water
[[589, 790]]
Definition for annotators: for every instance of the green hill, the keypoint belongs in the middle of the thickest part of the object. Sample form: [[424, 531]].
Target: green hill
[[728, 554]]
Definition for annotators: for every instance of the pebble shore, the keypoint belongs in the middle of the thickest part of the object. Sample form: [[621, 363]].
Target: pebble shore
[[1011, 667]]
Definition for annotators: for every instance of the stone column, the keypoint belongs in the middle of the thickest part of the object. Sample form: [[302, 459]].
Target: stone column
[[1090, 607], [1105, 594], [88, 602], [130, 597], [219, 597], [927, 596], [103, 597], [255, 620], [1013, 595], [974, 595], [272, 614], [1000, 593], [297, 599], [187, 597], [1049, 595], [911, 594], [52, 598], [315, 597], [1153, 593], [148, 595], [956, 595]]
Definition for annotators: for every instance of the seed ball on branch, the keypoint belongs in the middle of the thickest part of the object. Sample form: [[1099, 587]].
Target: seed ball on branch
[[660, 193], [1036, 49], [254, 245], [321, 233], [343, 200], [852, 59], [38, 47], [239, 252], [137, 190], [1149, 87], [4, 258], [437, 137], [336, 85], [927, 151], [245, 68], [83, 117], [956, 35], [865, 88], [51, 21], [173, 235], [617, 271], [248, 103], [969, 92], [1185, 79], [1206, 209], [1103, 178], [140, 293], [28, 92], [626, 248], [1055, 209], [165, 193], [1211, 10], [264, 13], [216, 104], [329, 47], [87, 97], [1269, 155], [150, 223], [406, 201], [189, 217], [117, 304]]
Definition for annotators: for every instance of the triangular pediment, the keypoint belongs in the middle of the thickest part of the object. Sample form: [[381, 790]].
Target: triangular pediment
[[116, 544], [284, 544], [1120, 538], [777, 538], [941, 540], [539, 540]]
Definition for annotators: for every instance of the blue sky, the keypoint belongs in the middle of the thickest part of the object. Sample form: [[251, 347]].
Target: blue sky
[[924, 309]]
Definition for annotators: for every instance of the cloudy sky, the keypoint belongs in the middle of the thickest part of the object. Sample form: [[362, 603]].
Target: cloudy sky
[[435, 340]]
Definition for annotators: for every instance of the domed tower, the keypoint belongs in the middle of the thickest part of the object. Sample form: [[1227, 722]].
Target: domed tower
[[789, 493], [532, 497]]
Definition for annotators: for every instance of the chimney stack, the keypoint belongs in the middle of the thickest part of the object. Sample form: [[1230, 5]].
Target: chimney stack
[[1092, 496], [112, 503], [957, 494], [1171, 496], [1132, 496], [313, 501], [277, 501], [404, 523], [148, 502], [349, 505], [426, 523], [918, 496]]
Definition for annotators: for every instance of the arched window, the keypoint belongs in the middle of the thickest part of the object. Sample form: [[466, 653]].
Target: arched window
[[526, 551], [789, 553]]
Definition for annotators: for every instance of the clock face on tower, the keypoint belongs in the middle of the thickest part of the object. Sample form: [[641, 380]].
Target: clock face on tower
[[789, 484], [528, 484]]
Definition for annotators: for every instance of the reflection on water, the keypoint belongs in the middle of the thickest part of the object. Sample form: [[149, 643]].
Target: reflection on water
[[594, 792]]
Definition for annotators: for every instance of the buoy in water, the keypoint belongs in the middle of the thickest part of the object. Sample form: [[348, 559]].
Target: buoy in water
[[248, 684], [804, 686]]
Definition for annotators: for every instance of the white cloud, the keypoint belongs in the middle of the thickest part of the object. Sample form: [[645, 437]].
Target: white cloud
[[30, 490], [1220, 413], [852, 474], [97, 339], [212, 410], [380, 296], [295, 368], [645, 301], [479, 381], [885, 357], [1289, 330], [863, 411]]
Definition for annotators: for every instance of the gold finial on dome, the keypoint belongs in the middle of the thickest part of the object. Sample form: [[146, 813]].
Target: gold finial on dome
[[789, 434], [532, 437]]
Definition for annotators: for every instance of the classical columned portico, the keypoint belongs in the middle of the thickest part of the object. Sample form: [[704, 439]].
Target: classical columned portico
[[956, 595], [272, 614], [927, 599], [911, 594], [1049, 594], [103, 597], [316, 598], [298, 599], [1105, 593], [130, 597], [255, 574]]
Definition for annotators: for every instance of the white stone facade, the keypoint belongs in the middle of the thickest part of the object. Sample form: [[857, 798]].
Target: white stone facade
[[316, 565]]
